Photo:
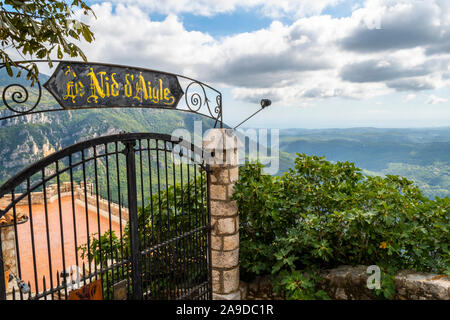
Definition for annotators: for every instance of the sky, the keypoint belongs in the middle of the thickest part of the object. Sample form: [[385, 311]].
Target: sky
[[323, 63]]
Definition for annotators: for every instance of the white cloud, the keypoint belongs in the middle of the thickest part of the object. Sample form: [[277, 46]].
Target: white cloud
[[410, 97], [126, 35], [316, 57], [436, 100], [269, 8]]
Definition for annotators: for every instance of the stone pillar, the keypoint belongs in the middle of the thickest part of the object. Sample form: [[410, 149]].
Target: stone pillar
[[8, 243], [223, 144]]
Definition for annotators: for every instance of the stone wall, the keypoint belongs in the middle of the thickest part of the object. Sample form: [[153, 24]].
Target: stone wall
[[103, 204], [258, 289], [65, 189], [8, 243], [350, 283], [51, 194]]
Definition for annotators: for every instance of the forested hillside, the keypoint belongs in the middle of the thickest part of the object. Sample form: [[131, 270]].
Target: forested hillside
[[422, 155]]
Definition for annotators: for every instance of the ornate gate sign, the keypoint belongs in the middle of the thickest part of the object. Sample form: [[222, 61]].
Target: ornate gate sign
[[77, 85], [87, 85]]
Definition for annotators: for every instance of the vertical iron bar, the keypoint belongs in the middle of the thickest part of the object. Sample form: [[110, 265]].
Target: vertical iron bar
[[57, 285], [124, 267], [189, 242], [61, 227], [147, 233], [196, 235], [169, 254], [208, 206], [132, 207], [151, 234], [32, 236], [150, 178], [98, 218], [86, 205], [203, 241], [120, 204], [2, 272], [141, 175], [142, 235], [109, 213], [84, 273], [221, 113], [73, 210], [126, 272], [183, 291], [176, 219], [44, 190], [45, 287], [159, 252]]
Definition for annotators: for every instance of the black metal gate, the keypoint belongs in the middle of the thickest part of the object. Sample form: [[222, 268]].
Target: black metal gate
[[127, 213]]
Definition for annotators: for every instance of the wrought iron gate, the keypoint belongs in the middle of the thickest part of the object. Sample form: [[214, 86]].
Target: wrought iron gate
[[127, 211]]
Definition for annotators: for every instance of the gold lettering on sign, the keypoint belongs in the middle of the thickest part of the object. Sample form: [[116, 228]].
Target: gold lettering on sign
[[70, 92], [167, 97], [96, 88], [128, 87], [104, 85], [114, 86], [141, 89], [69, 71], [73, 89]]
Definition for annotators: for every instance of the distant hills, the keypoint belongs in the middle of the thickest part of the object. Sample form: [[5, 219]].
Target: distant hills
[[5, 79], [422, 155]]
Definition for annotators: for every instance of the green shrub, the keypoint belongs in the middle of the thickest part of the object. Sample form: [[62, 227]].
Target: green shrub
[[321, 214]]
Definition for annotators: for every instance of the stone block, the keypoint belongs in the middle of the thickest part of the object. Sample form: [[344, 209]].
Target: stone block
[[243, 288], [224, 208], [9, 233], [229, 296], [225, 175], [8, 245], [225, 226], [230, 280], [216, 279], [231, 242], [233, 174], [231, 158], [216, 242], [218, 192], [225, 259]]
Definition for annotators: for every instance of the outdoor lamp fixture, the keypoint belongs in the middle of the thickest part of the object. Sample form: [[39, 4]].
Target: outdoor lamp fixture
[[264, 104]]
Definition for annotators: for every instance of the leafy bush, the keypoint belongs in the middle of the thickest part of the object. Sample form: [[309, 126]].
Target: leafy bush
[[321, 214]]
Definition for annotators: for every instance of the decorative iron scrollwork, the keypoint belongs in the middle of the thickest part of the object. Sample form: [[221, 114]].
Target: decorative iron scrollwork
[[198, 99], [218, 108], [195, 98], [19, 95]]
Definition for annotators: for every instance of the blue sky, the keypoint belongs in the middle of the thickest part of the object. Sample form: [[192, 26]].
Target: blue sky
[[324, 63]]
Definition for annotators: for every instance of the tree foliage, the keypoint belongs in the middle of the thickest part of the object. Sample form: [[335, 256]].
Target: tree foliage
[[321, 215], [37, 28]]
